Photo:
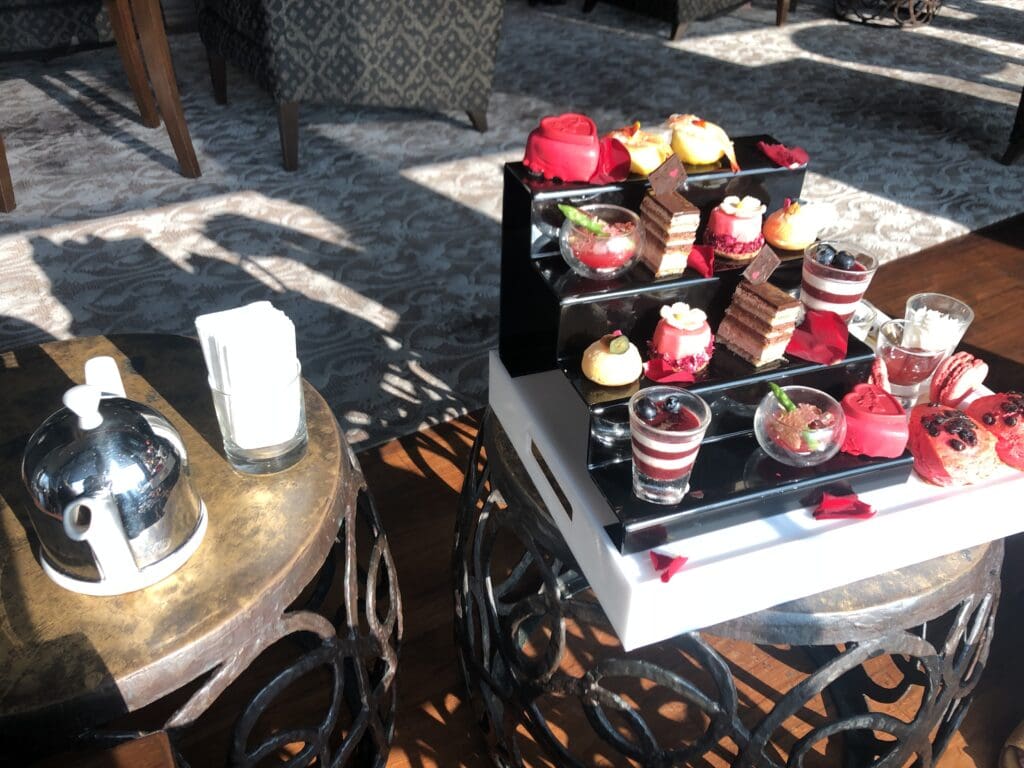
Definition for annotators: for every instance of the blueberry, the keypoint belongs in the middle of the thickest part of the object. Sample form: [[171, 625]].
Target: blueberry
[[845, 260], [826, 253], [646, 409], [673, 404]]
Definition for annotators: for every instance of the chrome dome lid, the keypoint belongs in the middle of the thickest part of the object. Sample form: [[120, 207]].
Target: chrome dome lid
[[112, 494]]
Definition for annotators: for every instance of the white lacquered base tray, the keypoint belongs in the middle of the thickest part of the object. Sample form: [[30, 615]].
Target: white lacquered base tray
[[745, 568]]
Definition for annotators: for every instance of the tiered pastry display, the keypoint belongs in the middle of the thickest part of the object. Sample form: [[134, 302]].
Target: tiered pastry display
[[683, 338], [759, 322], [734, 230], [552, 319]]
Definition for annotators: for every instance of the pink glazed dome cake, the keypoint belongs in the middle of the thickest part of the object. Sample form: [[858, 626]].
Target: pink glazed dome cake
[[683, 338], [734, 229]]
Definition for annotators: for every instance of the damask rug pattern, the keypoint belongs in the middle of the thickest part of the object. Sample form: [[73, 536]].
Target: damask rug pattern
[[384, 246]]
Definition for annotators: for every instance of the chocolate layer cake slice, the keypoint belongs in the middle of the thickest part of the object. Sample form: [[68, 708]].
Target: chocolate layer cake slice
[[759, 322], [670, 227]]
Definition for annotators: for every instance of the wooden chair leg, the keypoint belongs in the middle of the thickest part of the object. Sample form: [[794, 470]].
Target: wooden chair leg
[[1015, 149], [288, 126], [219, 76], [157, 54], [7, 202], [128, 46], [678, 30], [478, 117], [781, 11]]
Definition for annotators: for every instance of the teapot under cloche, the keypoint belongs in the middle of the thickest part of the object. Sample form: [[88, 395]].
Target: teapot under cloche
[[114, 506]]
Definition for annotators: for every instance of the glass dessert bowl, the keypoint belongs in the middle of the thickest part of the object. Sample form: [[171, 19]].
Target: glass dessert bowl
[[601, 255], [809, 433]]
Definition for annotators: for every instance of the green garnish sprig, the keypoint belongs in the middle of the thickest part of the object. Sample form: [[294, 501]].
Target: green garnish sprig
[[583, 219], [790, 406]]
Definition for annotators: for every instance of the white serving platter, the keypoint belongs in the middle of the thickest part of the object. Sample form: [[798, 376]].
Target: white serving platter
[[745, 568]]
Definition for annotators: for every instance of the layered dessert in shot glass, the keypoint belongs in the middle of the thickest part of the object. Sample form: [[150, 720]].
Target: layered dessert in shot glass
[[667, 425], [835, 278]]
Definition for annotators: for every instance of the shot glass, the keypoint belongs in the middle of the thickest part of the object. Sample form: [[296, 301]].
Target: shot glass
[[908, 364], [263, 423], [666, 426], [937, 320], [836, 284]]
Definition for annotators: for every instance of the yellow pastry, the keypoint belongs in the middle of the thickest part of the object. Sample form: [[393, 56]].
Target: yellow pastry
[[792, 228], [698, 142], [646, 150], [612, 361]]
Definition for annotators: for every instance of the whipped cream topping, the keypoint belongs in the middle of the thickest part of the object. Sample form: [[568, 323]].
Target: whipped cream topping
[[745, 208], [931, 329], [683, 316]]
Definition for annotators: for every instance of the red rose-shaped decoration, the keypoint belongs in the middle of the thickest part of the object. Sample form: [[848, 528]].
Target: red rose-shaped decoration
[[565, 147]]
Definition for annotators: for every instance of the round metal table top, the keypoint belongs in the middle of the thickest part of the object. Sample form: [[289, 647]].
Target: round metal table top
[[267, 537], [858, 611]]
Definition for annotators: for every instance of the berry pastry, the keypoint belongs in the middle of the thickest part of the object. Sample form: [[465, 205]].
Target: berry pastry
[[949, 447], [734, 229], [612, 361], [1003, 416], [683, 338]]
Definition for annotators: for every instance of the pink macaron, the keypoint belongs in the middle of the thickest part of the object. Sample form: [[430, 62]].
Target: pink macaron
[[956, 377]]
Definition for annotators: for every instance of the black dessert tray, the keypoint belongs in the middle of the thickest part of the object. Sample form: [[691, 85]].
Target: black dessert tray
[[734, 482]]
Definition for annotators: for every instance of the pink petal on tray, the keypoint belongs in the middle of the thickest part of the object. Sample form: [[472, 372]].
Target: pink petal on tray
[[667, 565], [847, 507]]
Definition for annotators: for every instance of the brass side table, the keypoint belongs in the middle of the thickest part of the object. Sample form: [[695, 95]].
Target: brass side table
[[547, 677], [280, 561]]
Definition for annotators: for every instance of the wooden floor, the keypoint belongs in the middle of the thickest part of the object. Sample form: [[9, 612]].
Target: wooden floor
[[416, 481]]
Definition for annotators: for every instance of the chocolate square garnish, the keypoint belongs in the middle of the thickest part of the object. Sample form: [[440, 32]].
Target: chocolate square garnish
[[668, 176], [761, 268]]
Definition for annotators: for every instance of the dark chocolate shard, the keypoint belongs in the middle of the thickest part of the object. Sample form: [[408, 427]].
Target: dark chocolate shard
[[761, 268], [668, 176]]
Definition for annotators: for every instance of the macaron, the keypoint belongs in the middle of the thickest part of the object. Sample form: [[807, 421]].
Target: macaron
[[956, 377]]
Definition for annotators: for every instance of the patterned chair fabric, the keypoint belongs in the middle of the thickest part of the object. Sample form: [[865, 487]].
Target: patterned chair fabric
[[34, 25], [432, 54]]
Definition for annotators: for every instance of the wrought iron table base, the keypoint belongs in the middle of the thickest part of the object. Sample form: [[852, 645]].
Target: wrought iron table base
[[522, 607], [338, 627]]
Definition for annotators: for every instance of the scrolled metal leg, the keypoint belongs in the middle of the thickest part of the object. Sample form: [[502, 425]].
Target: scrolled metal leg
[[525, 630], [349, 623]]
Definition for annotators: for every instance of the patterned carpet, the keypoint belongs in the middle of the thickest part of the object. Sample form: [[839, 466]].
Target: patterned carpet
[[384, 246]]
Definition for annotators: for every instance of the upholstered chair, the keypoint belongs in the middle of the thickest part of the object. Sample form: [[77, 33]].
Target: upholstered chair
[[429, 54], [681, 12]]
